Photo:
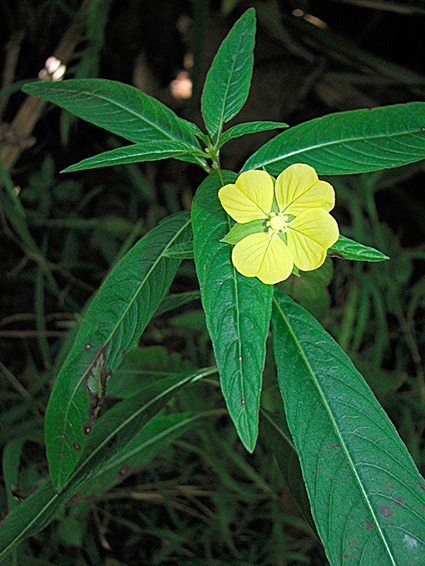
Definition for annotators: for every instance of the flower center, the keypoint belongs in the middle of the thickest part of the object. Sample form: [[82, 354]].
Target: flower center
[[277, 223]]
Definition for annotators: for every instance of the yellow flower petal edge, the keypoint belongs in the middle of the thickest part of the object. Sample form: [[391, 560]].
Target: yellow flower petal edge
[[309, 236], [263, 256], [249, 198], [298, 188]]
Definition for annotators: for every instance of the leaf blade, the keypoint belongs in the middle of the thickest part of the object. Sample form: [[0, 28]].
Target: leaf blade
[[352, 250], [249, 128], [116, 107], [237, 311], [228, 80], [357, 471], [137, 153], [114, 320], [343, 143]]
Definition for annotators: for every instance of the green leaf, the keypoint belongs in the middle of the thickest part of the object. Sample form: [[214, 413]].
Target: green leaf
[[237, 310], [227, 84], [114, 321], [345, 248], [249, 128], [146, 151], [155, 435], [279, 440], [181, 251], [175, 300], [367, 497], [349, 142], [117, 107], [193, 129], [124, 421], [240, 231], [142, 367]]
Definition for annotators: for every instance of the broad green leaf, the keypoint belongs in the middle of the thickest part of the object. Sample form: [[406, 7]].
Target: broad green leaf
[[181, 251], [146, 151], [227, 84], [113, 322], [240, 231], [249, 128], [345, 248], [349, 142], [142, 367], [237, 310], [117, 107], [126, 420], [275, 432], [367, 497]]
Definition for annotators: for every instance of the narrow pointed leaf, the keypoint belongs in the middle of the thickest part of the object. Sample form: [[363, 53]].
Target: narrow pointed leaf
[[175, 300], [367, 497], [249, 128], [181, 251], [146, 151], [117, 107], [345, 248], [227, 84], [279, 440], [114, 321], [357, 141], [143, 367], [126, 421], [237, 310]]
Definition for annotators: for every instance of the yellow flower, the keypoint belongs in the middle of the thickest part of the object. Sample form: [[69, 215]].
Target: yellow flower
[[295, 226]]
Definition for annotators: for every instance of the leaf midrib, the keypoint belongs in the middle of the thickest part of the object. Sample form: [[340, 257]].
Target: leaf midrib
[[329, 143], [227, 88], [140, 117], [335, 427]]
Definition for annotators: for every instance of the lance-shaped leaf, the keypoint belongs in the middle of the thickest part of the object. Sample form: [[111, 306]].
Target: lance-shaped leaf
[[227, 84], [114, 321], [146, 151], [237, 310], [367, 497], [276, 435], [345, 248], [103, 453], [249, 128], [117, 107], [357, 141]]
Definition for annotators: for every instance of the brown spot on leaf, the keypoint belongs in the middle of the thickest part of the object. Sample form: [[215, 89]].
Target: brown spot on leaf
[[369, 525], [243, 400], [354, 542], [86, 429], [88, 346], [76, 446], [389, 485], [423, 508], [385, 511], [420, 485], [398, 501], [123, 471]]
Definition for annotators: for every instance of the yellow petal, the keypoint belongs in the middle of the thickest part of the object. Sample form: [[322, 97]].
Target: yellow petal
[[309, 236], [298, 188], [250, 198], [263, 256]]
